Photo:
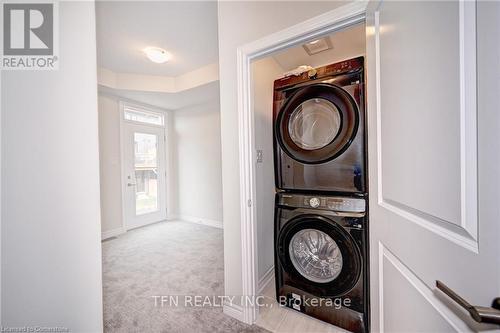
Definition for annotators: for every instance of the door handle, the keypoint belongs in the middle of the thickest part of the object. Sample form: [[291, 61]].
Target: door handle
[[481, 314], [131, 184]]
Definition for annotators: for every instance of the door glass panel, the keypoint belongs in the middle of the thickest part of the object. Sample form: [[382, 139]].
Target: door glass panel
[[142, 116], [314, 124], [315, 255], [146, 173]]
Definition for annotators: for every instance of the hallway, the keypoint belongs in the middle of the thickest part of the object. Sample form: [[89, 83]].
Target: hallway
[[166, 258]]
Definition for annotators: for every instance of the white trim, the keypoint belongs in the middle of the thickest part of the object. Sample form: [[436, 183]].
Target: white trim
[[156, 83], [380, 275], [468, 119], [265, 279], [464, 235], [112, 233], [142, 224], [198, 220], [172, 217], [430, 295], [328, 22], [123, 123], [168, 136], [1, 223], [142, 107], [233, 310], [122, 167]]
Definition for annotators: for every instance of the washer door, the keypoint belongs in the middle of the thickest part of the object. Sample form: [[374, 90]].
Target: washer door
[[315, 255], [315, 250], [317, 123]]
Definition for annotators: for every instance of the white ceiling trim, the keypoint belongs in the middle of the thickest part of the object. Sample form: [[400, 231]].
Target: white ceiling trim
[[155, 83]]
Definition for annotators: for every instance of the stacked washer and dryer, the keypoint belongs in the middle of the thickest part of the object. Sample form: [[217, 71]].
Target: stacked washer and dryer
[[321, 220]]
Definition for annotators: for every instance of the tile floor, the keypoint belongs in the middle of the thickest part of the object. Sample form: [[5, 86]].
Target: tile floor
[[278, 319]]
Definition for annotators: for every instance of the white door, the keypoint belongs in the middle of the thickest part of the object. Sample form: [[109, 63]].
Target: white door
[[144, 185], [434, 162]]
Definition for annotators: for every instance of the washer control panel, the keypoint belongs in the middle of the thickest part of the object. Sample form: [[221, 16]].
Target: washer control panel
[[314, 202], [333, 203]]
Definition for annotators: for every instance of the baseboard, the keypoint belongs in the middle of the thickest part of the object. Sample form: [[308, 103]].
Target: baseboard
[[140, 225], [112, 233], [233, 310], [265, 280], [200, 220], [172, 217]]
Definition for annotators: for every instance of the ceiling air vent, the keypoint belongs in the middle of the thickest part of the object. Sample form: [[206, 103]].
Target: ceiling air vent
[[318, 45]]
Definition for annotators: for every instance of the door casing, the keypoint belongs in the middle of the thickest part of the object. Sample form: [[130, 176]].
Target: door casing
[[323, 24], [127, 225], [339, 18]]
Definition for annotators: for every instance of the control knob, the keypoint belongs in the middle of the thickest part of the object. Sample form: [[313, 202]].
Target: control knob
[[314, 202]]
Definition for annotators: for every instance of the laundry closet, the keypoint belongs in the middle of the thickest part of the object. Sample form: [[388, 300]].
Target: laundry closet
[[311, 180]]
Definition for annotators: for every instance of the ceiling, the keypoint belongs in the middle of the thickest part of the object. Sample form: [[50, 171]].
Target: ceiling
[[347, 43], [168, 101], [188, 30]]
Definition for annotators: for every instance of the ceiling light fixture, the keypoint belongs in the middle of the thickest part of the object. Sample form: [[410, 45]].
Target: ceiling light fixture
[[156, 54], [318, 45]]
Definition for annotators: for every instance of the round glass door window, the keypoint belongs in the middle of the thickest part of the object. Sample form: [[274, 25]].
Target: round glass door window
[[317, 123], [314, 124], [315, 255]]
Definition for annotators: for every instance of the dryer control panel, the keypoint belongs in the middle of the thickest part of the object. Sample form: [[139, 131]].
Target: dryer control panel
[[324, 202]]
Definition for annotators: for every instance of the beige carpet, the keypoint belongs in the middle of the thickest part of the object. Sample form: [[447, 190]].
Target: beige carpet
[[168, 258]]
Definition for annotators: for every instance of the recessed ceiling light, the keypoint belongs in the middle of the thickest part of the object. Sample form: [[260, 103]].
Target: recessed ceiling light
[[156, 54]]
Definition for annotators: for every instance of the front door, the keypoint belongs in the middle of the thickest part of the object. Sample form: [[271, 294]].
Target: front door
[[434, 162], [144, 186]]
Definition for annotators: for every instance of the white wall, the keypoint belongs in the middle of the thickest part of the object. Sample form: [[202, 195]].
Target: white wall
[[237, 26], [172, 181], [264, 72], [51, 246], [194, 180], [110, 163], [346, 44], [197, 155], [1, 213]]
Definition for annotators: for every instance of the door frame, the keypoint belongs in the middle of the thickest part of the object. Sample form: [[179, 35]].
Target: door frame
[[325, 23], [123, 123]]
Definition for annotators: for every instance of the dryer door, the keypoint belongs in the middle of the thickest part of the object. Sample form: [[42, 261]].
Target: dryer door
[[318, 252], [317, 123]]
